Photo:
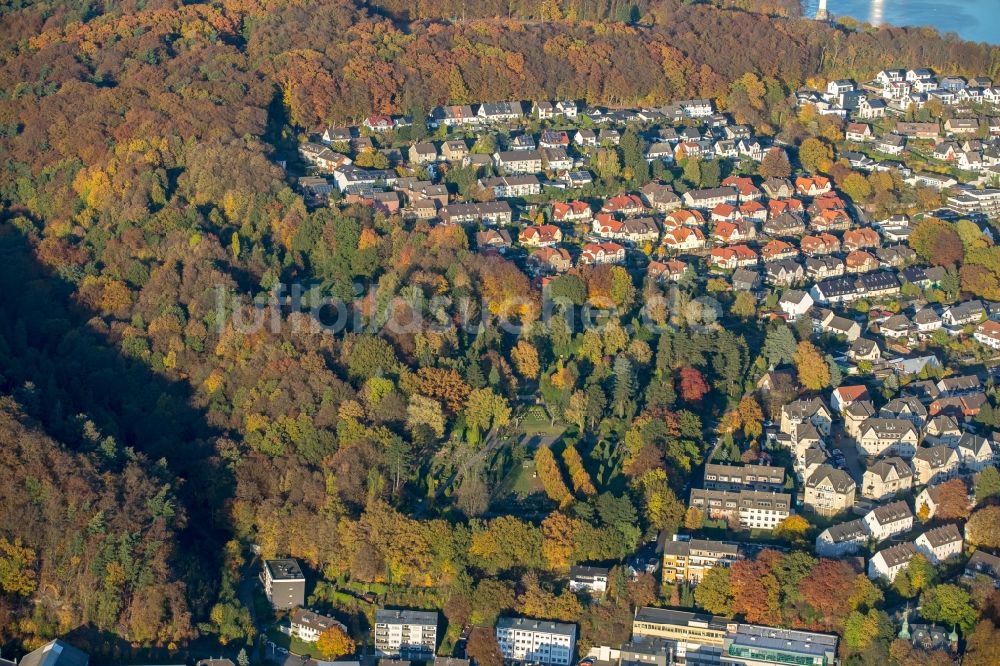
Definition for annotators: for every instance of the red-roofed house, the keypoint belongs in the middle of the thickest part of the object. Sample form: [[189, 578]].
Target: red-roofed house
[[812, 187], [819, 244], [860, 261], [540, 236], [845, 396], [574, 211], [776, 207], [856, 239], [731, 258], [624, 204], [744, 185], [688, 218], [602, 253], [555, 259], [734, 232], [858, 132], [831, 220], [753, 209], [778, 249], [682, 239], [725, 213]]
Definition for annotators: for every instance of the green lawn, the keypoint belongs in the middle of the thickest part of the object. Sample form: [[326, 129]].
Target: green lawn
[[290, 643], [521, 480]]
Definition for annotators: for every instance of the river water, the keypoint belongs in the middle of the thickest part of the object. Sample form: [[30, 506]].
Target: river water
[[975, 20]]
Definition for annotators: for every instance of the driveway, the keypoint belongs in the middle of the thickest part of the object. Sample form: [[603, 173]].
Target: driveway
[[841, 441]]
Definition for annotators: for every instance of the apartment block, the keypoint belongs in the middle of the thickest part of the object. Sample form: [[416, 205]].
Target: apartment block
[[406, 634], [536, 641], [284, 583]]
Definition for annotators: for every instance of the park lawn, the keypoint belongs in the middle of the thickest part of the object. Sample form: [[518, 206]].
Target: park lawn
[[521, 481]]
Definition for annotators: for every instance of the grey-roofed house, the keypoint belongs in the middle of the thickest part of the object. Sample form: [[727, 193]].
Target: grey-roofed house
[[829, 491], [841, 539], [56, 653], [888, 563], [983, 564], [940, 544], [885, 478], [888, 520]]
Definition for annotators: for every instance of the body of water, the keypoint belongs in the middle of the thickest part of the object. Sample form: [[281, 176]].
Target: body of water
[[975, 20]]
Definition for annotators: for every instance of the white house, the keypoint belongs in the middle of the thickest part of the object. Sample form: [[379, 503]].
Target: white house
[[890, 562], [795, 303], [590, 579], [940, 543], [308, 625], [888, 520], [841, 539]]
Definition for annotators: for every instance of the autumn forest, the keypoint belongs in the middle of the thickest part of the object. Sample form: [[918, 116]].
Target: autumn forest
[[146, 442]]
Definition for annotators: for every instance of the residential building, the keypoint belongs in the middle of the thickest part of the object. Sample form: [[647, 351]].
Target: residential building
[[406, 634], [536, 641], [842, 539], [806, 410], [795, 303], [888, 520], [906, 407], [491, 212], [888, 563], [515, 162], [934, 464], [750, 509], [590, 579], [743, 477], [940, 544], [688, 561], [710, 198], [843, 396], [928, 500], [885, 478], [988, 333], [975, 452], [307, 625], [284, 583], [602, 253], [542, 235], [881, 436], [56, 653], [829, 491], [512, 186], [983, 564]]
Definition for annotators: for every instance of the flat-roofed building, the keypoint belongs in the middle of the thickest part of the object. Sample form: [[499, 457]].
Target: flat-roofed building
[[536, 641], [688, 561], [697, 638], [756, 645], [284, 583], [405, 634]]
